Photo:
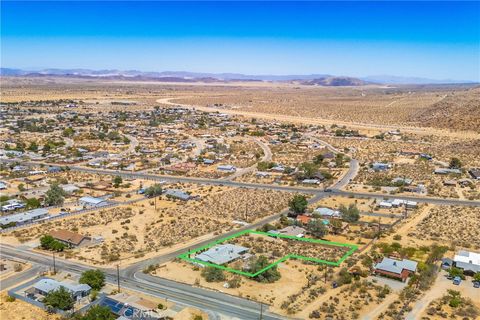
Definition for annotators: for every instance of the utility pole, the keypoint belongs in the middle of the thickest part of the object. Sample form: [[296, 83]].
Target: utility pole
[[118, 277], [261, 311], [54, 268], [155, 202]]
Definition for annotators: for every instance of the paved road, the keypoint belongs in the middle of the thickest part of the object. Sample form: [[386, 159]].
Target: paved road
[[20, 277], [176, 292], [349, 176], [133, 144]]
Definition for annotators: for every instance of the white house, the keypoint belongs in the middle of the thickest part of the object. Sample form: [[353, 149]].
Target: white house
[[227, 168], [92, 202]]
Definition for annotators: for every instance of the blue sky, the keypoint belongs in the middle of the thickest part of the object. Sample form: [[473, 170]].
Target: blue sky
[[439, 40]]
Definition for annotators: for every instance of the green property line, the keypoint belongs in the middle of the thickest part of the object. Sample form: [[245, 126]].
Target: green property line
[[186, 256]]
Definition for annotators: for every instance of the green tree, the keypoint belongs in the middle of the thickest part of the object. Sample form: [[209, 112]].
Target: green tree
[[476, 277], [456, 272], [32, 203], [47, 242], [59, 299], [263, 166], [298, 204], [455, 163], [336, 225], [94, 278], [212, 274], [350, 213], [98, 313], [267, 276], [318, 159], [308, 169], [154, 190], [55, 195], [317, 228], [21, 187], [117, 181], [339, 159]]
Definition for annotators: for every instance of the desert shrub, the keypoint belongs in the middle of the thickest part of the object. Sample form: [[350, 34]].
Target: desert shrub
[[212, 274]]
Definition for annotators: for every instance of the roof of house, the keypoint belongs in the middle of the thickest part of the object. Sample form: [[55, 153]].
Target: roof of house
[[69, 188], [304, 219], [47, 285], [177, 193], [294, 231], [396, 266], [327, 212], [468, 266], [23, 216], [467, 257], [67, 236], [226, 167], [222, 253], [447, 170], [91, 200]]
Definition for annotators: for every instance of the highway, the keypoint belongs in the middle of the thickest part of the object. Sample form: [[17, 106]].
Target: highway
[[180, 293]]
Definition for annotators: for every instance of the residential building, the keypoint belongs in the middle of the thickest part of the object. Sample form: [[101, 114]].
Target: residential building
[[327, 212], [447, 171], [397, 269], [294, 231], [69, 188], [92, 202], [379, 166], [71, 239], [475, 173], [178, 194], [223, 253], [227, 168], [23, 217], [44, 286], [468, 261]]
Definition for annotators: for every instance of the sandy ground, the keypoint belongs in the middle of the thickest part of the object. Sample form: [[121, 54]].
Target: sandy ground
[[19, 310], [189, 313], [292, 280]]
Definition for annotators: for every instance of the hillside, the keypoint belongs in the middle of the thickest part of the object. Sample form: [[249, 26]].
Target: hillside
[[458, 110]]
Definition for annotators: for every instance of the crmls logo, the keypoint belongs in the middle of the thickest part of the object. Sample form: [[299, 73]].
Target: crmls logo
[[134, 313]]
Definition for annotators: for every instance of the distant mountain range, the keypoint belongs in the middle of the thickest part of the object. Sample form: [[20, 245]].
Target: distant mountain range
[[184, 76]]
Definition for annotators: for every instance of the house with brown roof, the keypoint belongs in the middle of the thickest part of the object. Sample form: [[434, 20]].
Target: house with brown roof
[[304, 219], [71, 239]]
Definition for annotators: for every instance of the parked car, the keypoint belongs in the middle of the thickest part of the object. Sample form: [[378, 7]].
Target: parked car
[[457, 281], [476, 284]]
